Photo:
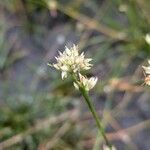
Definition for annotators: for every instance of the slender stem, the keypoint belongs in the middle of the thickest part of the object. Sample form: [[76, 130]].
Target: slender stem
[[93, 111]]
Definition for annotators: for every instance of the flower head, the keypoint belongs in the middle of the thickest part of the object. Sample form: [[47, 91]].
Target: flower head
[[70, 61], [147, 38], [86, 83], [147, 71]]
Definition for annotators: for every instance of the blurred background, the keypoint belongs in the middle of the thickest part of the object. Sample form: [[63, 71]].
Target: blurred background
[[39, 111]]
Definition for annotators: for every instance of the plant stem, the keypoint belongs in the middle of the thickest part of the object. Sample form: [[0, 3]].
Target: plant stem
[[97, 119], [93, 111]]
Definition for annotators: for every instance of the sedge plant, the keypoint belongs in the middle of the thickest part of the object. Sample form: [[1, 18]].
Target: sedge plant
[[71, 63]]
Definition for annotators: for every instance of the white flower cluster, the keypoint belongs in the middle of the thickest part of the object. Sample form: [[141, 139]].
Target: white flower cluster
[[70, 61], [147, 71]]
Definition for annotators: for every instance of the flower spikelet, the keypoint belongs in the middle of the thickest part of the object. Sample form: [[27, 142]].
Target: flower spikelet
[[70, 61], [147, 71], [86, 83]]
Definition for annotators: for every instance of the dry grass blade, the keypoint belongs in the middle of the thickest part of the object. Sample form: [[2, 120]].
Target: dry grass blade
[[124, 85], [130, 131], [61, 131], [42, 124], [120, 133], [92, 23]]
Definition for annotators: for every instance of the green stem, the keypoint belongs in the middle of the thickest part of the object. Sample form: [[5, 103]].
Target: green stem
[[93, 111]]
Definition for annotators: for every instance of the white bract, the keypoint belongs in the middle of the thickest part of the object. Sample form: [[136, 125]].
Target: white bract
[[86, 83], [70, 61]]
